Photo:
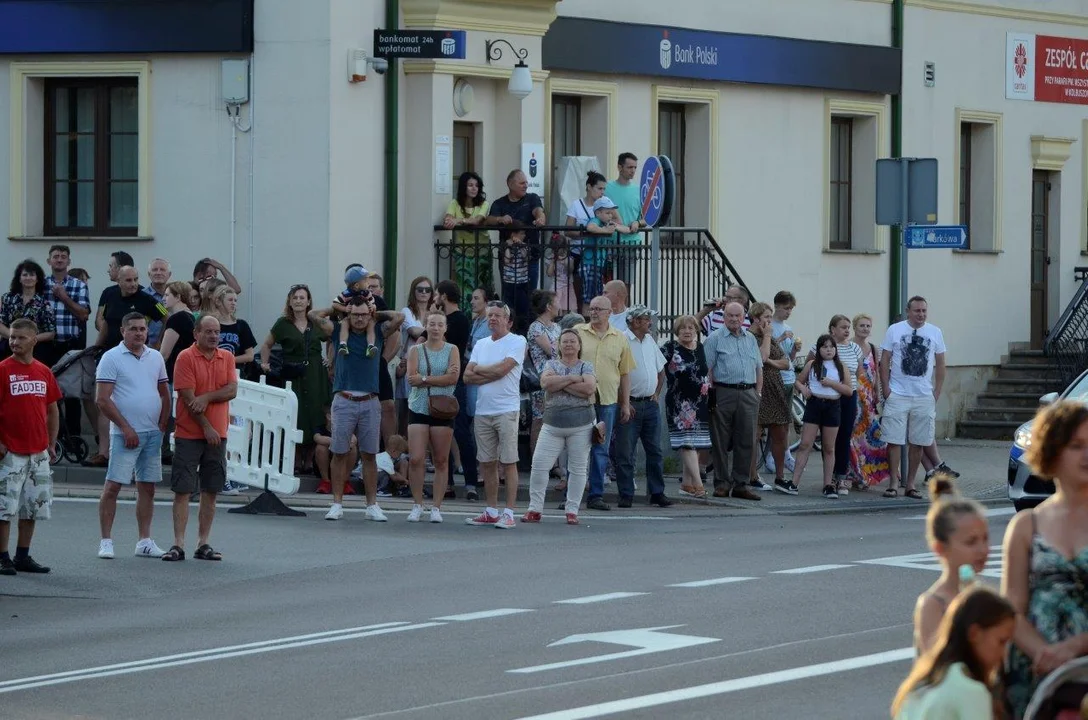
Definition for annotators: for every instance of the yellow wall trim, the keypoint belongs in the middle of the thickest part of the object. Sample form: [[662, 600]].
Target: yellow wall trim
[[982, 117], [704, 96], [970, 8], [853, 108], [1050, 153], [463, 69], [20, 75], [515, 17], [584, 88]]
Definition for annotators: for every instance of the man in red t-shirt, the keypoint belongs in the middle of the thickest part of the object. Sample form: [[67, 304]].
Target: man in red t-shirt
[[29, 420], [205, 381]]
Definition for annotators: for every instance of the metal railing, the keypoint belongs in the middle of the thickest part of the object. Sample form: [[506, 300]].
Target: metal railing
[[675, 278], [1067, 341]]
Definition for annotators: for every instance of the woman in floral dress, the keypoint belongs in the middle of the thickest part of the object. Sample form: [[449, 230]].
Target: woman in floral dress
[[868, 453], [686, 400], [27, 299]]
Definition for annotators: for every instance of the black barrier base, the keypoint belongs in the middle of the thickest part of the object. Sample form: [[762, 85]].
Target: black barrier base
[[267, 503]]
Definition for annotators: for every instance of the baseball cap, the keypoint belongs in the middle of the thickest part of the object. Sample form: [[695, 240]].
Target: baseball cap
[[605, 203], [637, 311], [354, 274]]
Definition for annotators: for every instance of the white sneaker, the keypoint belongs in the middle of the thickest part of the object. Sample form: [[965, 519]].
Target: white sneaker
[[336, 511], [373, 512], [147, 548], [415, 516], [436, 516], [105, 549]]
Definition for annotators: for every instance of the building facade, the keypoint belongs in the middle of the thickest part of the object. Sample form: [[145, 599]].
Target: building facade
[[125, 129]]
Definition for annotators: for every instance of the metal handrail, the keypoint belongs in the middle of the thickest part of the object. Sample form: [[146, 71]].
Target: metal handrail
[[1067, 341]]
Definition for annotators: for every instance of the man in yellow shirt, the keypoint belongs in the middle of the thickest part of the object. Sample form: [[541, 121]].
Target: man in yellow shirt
[[610, 354]]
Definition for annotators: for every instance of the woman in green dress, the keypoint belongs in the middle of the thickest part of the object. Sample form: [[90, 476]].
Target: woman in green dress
[[300, 341]]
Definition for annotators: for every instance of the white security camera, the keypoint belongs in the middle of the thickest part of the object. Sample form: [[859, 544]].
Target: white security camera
[[380, 65]]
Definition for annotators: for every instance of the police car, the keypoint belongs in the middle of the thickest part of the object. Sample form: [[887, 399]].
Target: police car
[[1027, 490]]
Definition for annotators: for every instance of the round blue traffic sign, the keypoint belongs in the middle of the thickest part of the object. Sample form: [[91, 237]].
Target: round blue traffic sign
[[652, 191]]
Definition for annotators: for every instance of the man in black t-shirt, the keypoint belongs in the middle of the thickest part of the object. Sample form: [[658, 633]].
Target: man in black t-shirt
[[118, 260], [520, 208], [128, 298], [458, 330]]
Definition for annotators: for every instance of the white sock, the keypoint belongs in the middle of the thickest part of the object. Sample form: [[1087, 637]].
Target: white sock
[[334, 505], [492, 512], [417, 507], [508, 511]]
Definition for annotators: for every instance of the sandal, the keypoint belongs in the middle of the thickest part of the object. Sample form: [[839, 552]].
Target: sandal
[[174, 554], [891, 493], [206, 552], [913, 494]]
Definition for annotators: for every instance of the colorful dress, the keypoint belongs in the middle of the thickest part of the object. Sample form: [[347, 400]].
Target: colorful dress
[[687, 397], [540, 358], [868, 453], [1057, 609], [774, 405]]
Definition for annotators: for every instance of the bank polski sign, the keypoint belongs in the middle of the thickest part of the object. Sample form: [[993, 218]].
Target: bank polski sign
[[686, 53]]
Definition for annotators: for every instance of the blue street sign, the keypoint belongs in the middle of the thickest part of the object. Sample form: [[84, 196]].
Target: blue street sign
[[652, 191], [936, 236]]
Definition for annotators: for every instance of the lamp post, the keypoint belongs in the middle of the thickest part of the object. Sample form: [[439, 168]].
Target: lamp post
[[521, 80]]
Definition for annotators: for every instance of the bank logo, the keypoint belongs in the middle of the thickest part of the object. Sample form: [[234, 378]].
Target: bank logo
[[1020, 60], [448, 46], [666, 52]]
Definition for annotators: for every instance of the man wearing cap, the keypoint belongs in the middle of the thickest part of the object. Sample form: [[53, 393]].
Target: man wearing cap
[[736, 371], [644, 421], [604, 225], [608, 350]]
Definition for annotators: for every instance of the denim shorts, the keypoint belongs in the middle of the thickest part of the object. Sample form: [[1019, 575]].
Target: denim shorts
[[143, 462]]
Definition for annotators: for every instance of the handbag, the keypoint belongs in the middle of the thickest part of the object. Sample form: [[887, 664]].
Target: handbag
[[599, 427], [440, 407], [530, 376]]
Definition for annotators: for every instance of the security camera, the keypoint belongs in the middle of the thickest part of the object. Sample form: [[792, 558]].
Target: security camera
[[380, 65]]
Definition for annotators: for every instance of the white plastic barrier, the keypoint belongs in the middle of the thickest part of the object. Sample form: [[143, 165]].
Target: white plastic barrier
[[262, 437]]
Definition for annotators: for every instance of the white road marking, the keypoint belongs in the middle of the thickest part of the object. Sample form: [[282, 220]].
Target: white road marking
[[589, 599], [728, 686], [708, 583], [929, 561], [199, 656], [989, 512], [484, 614], [645, 640], [810, 569]]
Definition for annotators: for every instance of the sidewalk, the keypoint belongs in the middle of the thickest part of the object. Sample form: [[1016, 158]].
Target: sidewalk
[[981, 463]]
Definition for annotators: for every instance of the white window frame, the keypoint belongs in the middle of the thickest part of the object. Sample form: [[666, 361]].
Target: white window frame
[[980, 117], [861, 241]]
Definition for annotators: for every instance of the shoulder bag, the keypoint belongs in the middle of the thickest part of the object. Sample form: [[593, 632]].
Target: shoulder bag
[[530, 377], [599, 427], [440, 407]]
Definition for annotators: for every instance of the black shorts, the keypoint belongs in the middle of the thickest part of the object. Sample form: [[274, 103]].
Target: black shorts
[[824, 412], [198, 466], [385, 382], [415, 418]]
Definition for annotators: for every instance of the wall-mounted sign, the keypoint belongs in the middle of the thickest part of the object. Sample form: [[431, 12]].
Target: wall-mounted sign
[[427, 44], [532, 164], [1046, 68], [725, 57]]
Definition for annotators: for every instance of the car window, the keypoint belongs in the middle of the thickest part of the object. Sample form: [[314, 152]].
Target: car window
[[1079, 389]]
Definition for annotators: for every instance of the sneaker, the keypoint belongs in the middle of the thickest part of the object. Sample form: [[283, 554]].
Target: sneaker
[[417, 513], [482, 519], [148, 548], [471, 495], [323, 488], [105, 549], [944, 468], [531, 517], [336, 511], [230, 488], [373, 512], [436, 515], [7, 567], [505, 521], [784, 486], [829, 492], [27, 565], [843, 489], [793, 487], [572, 518], [757, 483], [384, 494], [343, 349], [371, 351]]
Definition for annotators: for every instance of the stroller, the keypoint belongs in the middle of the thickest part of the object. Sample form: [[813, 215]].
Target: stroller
[[75, 374], [1063, 695]]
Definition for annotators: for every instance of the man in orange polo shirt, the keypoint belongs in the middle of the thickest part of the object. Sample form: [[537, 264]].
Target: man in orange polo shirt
[[206, 382]]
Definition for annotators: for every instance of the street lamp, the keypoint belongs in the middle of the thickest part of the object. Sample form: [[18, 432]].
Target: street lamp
[[521, 80]]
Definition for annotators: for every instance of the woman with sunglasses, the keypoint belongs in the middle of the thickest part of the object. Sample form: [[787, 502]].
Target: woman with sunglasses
[[420, 294], [300, 343]]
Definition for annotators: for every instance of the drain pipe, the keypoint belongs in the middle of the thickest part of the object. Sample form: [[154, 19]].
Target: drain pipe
[[895, 270], [392, 158]]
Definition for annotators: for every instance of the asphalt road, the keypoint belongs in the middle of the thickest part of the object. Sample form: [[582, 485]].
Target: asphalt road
[[757, 617]]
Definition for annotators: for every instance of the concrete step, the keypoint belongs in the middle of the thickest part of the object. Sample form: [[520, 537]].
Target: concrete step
[[1033, 357], [987, 429], [1029, 371], [1008, 400], [1019, 415], [1038, 386]]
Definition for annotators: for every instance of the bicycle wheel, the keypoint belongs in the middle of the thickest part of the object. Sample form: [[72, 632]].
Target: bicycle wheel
[[75, 450]]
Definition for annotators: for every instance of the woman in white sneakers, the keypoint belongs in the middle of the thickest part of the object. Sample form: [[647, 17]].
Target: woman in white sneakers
[[850, 356]]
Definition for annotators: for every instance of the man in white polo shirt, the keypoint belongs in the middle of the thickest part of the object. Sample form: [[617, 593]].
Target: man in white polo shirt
[[132, 392], [495, 366]]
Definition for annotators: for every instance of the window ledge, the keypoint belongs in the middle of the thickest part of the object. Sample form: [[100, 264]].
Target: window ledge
[[957, 251], [79, 238], [835, 251]]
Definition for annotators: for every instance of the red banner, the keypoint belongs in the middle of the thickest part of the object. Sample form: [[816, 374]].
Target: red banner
[[1061, 70]]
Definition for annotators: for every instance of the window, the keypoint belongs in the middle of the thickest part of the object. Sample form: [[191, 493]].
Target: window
[[92, 156], [566, 128], [672, 141], [965, 177], [978, 178], [464, 148], [842, 151]]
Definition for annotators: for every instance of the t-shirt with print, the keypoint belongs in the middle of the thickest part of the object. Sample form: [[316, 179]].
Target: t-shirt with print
[[521, 211], [117, 306], [778, 329], [236, 337], [26, 391], [502, 395], [135, 380], [913, 357], [628, 199], [184, 325], [850, 356]]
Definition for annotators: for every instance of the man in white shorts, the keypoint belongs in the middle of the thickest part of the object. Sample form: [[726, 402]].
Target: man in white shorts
[[912, 369], [495, 366], [132, 391], [29, 420]]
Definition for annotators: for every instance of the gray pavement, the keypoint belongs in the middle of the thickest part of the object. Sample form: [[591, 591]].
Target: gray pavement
[[758, 615]]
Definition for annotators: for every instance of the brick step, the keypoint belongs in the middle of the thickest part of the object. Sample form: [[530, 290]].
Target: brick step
[[987, 429], [1008, 400]]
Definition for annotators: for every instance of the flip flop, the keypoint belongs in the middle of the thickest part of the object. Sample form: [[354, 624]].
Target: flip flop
[[891, 493]]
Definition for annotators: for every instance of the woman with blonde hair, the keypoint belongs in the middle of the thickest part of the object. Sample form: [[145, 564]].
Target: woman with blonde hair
[[868, 453], [687, 400], [234, 335]]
